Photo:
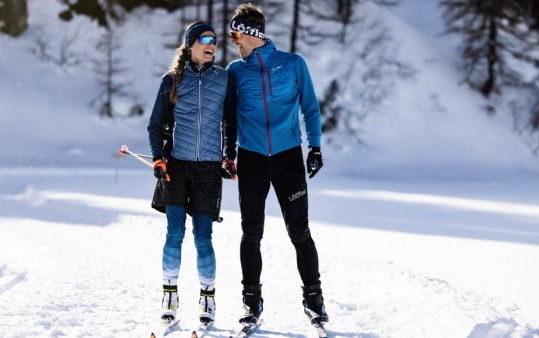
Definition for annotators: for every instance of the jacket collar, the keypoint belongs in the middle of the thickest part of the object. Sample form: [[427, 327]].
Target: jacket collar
[[264, 51], [196, 69]]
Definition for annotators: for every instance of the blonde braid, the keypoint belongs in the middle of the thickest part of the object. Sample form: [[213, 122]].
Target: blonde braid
[[176, 68]]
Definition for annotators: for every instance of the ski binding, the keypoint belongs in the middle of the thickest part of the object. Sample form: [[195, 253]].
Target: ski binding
[[202, 328], [247, 329]]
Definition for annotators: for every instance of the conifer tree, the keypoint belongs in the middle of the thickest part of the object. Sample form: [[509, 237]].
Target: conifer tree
[[497, 39]]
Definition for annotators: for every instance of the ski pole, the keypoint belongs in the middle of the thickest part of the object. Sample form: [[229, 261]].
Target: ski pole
[[132, 153], [140, 155], [124, 150]]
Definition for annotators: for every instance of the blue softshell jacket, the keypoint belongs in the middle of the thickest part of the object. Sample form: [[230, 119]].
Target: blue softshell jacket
[[270, 87], [198, 114]]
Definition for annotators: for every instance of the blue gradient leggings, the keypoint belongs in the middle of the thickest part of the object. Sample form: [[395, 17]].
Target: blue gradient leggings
[[172, 252]]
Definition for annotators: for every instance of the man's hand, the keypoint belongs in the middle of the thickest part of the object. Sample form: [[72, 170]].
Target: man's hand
[[160, 169], [228, 170], [314, 161]]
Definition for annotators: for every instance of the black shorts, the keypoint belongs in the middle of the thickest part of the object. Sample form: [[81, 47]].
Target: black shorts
[[197, 186]]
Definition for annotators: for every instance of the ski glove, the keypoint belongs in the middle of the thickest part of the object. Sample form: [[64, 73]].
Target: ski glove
[[160, 169], [228, 170], [314, 161]]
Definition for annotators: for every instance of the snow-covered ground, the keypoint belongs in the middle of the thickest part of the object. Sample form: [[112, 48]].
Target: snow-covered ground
[[431, 230], [80, 257]]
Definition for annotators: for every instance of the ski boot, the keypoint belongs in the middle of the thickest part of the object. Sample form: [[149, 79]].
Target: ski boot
[[313, 305], [252, 304], [207, 304], [170, 301]]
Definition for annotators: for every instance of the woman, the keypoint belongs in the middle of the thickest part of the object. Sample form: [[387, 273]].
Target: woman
[[191, 172]]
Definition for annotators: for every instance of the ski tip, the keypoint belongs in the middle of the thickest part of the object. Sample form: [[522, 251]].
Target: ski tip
[[152, 335], [194, 334]]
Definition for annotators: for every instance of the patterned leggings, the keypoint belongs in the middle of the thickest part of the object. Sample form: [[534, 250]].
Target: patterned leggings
[[172, 251]]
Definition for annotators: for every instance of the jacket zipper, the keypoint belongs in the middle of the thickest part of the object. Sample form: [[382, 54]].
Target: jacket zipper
[[199, 118], [265, 101], [269, 82]]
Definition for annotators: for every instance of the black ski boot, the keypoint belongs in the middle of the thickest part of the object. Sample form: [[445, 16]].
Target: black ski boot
[[313, 304], [252, 304]]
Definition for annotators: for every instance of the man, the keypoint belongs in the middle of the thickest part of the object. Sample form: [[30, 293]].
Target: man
[[267, 89]]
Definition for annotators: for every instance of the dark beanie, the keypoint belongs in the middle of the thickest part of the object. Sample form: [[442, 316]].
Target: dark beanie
[[195, 30], [242, 24]]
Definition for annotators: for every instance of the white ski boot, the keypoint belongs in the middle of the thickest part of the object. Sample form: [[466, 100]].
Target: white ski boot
[[207, 304], [170, 301]]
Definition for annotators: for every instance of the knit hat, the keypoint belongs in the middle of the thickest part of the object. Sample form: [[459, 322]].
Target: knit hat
[[195, 30], [242, 24]]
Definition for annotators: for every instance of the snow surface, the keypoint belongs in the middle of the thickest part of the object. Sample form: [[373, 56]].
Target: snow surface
[[432, 230]]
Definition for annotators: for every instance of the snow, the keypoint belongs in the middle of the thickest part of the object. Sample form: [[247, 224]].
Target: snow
[[429, 231]]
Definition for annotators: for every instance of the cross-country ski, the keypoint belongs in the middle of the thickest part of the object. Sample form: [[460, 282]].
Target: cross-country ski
[[321, 331], [168, 328], [203, 327], [247, 329]]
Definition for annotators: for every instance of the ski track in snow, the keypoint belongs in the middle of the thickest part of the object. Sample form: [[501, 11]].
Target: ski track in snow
[[82, 279], [9, 278]]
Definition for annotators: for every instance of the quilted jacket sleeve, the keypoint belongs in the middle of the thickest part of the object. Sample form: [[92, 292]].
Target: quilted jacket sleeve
[[160, 110], [309, 104]]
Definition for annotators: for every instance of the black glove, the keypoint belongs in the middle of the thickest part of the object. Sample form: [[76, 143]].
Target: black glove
[[228, 170], [314, 161]]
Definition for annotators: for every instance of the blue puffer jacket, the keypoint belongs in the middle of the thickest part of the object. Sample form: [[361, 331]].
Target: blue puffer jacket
[[270, 87], [198, 114]]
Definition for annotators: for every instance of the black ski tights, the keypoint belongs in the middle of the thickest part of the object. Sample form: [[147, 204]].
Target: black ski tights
[[286, 172]]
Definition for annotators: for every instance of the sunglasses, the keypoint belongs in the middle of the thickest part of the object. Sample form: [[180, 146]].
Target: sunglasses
[[235, 35], [208, 39]]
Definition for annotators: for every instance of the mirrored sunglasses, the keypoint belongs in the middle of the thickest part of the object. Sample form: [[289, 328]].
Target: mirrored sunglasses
[[235, 35], [208, 39]]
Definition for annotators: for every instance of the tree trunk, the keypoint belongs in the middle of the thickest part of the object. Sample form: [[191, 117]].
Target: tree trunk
[[346, 15], [209, 19], [13, 17], [492, 58], [295, 27], [224, 42]]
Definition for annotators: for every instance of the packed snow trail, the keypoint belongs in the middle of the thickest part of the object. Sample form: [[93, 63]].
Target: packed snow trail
[[89, 265]]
